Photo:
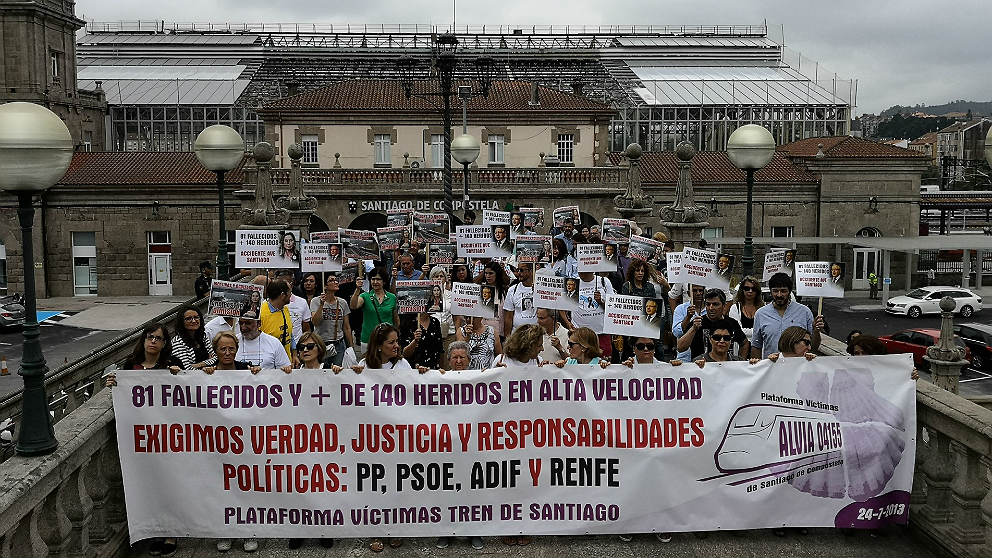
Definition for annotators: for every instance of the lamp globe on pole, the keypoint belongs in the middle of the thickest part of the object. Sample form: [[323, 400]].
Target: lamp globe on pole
[[35, 151], [220, 149], [465, 149], [750, 148]]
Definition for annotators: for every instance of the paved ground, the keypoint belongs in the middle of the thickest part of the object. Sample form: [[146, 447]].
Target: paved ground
[[819, 543]]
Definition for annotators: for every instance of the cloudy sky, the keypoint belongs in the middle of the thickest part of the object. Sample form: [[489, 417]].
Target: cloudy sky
[[902, 52]]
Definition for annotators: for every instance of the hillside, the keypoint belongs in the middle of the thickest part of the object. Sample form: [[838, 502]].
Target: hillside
[[977, 108]]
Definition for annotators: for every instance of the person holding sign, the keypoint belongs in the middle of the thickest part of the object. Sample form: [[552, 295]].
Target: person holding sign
[[794, 342], [330, 320], [483, 343], [562, 263], [696, 339], [593, 291], [518, 306], [554, 337], [423, 344], [771, 320], [378, 305]]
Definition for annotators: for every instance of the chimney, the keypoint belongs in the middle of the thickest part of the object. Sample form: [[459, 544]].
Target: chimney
[[292, 88], [577, 87], [99, 85], [535, 96]]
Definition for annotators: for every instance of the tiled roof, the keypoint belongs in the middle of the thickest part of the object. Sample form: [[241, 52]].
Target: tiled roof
[[847, 147], [925, 139], [715, 167], [961, 126], [385, 95], [141, 168]]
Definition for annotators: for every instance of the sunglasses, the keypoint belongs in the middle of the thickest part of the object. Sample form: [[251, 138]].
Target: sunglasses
[[807, 342], [749, 289], [644, 346], [721, 337], [573, 343], [306, 346]]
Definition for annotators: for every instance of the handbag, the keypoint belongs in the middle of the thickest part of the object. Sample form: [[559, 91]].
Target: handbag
[[332, 347]]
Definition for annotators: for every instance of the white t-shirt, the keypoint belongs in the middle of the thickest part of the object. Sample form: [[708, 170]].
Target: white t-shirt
[[264, 351], [512, 362], [401, 364], [299, 312], [551, 353], [520, 299], [590, 313], [217, 325]]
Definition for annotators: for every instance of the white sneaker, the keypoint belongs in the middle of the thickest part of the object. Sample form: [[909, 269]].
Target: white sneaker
[[251, 545], [223, 545], [626, 538]]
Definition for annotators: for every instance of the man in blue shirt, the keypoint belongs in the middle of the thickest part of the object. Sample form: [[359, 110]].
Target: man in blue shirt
[[567, 229], [405, 271], [772, 319], [683, 315]]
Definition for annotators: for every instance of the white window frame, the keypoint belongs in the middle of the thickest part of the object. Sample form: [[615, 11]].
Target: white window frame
[[437, 151], [566, 148], [790, 231], [55, 64], [710, 233], [309, 144], [84, 251], [382, 147], [497, 145]]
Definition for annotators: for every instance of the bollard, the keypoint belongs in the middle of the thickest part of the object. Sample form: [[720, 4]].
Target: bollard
[[3, 366]]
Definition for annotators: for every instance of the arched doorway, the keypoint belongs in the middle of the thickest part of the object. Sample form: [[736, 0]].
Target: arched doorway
[[317, 224], [866, 260], [368, 221]]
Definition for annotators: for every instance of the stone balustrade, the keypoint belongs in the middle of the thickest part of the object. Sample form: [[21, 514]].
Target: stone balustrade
[[537, 175]]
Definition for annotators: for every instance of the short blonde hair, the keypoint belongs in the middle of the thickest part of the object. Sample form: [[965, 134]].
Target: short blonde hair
[[522, 342], [221, 335], [588, 340]]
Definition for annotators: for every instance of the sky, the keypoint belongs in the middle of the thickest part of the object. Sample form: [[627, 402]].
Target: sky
[[901, 52]]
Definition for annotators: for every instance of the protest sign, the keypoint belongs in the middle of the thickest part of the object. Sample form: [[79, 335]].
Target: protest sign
[[699, 267], [634, 316], [788, 261], [569, 212], [393, 238], [824, 279], [723, 272], [267, 249], [441, 253], [348, 273], [559, 293], [824, 443], [616, 231], [321, 257], [593, 257], [228, 298], [415, 296], [493, 217], [502, 246], [430, 227], [472, 299], [774, 262], [324, 237], [533, 216], [359, 244], [475, 241], [399, 217], [647, 249], [673, 267], [530, 248], [517, 224]]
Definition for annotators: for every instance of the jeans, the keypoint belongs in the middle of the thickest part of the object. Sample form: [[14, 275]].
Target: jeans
[[340, 345]]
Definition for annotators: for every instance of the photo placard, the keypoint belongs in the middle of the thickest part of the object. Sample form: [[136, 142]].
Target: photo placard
[[567, 212], [699, 267], [393, 238], [472, 299], [474, 241], [616, 231], [825, 279], [559, 293], [441, 253], [533, 216], [430, 227], [360, 244], [233, 299], [532, 248], [267, 249], [413, 297], [635, 316], [321, 257], [592, 257]]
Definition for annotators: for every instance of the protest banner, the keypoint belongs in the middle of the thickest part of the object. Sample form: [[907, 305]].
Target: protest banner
[[267, 249], [531, 248], [616, 231], [559, 293], [673, 267], [359, 244], [533, 216], [774, 262], [228, 298], [795, 443], [569, 212], [402, 217], [634, 316], [493, 217], [592, 257], [441, 253], [823, 279], [393, 238], [430, 227], [415, 296], [472, 299], [321, 257], [646, 249], [348, 273], [475, 241], [502, 246], [324, 237], [699, 267]]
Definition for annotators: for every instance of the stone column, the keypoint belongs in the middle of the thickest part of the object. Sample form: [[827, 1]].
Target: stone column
[[633, 205], [684, 219], [299, 205], [946, 359], [263, 214]]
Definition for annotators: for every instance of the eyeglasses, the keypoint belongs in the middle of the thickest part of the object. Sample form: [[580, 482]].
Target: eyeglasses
[[721, 337], [227, 350], [644, 346], [572, 343], [155, 338], [191, 318], [806, 342], [306, 346]]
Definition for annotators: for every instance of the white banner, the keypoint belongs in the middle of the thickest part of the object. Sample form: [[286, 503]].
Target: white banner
[[321, 257], [824, 279], [593, 257], [267, 249], [796, 443], [634, 316]]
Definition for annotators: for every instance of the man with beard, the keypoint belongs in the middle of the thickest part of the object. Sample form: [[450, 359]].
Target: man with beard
[[772, 319]]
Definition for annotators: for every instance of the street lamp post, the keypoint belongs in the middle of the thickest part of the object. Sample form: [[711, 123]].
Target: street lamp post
[[35, 151], [750, 148], [465, 149], [220, 149]]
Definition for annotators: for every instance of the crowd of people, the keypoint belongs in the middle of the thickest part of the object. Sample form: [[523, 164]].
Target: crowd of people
[[355, 327]]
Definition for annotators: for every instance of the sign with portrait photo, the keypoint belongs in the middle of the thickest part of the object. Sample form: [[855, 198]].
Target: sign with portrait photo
[[267, 249], [413, 297], [399, 217], [774, 262], [393, 238], [474, 241], [233, 299], [824, 279], [441, 253], [634, 316], [472, 299], [502, 246], [321, 257], [360, 244], [646, 249], [616, 231], [723, 271], [593, 257], [348, 273], [430, 227], [568, 212], [558, 293], [531, 248], [533, 216]]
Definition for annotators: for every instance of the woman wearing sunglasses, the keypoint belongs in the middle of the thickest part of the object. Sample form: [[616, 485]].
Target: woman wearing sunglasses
[[312, 351], [746, 303], [583, 348], [720, 341], [794, 342]]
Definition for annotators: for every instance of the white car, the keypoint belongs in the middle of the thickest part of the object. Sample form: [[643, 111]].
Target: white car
[[926, 300]]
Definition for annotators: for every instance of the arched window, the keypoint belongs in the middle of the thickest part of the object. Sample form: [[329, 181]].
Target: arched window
[[869, 232]]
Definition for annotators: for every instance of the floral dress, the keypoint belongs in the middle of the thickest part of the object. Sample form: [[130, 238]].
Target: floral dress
[[481, 347]]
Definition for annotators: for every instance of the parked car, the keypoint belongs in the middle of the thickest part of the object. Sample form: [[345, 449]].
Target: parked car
[[11, 311], [916, 341], [926, 300], [978, 339]]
